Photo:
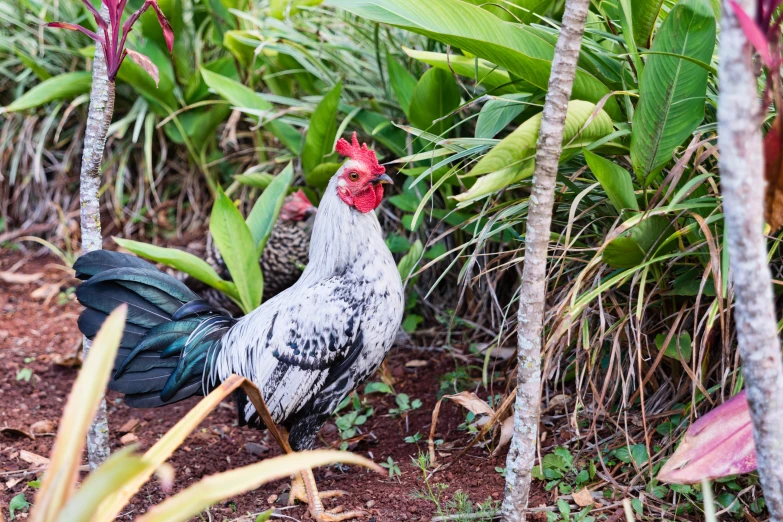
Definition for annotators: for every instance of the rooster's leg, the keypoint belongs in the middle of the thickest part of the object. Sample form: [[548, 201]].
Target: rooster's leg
[[304, 489]]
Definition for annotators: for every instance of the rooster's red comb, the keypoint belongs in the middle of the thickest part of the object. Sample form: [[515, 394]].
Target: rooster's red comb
[[361, 154]]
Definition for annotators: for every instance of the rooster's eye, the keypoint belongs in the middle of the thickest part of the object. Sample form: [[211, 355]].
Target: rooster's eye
[[353, 176]]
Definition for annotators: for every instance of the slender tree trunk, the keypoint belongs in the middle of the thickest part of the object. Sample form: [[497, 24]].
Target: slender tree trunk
[[521, 455], [98, 121], [742, 185]]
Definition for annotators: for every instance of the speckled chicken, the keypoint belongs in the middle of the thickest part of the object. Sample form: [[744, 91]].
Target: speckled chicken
[[306, 348]]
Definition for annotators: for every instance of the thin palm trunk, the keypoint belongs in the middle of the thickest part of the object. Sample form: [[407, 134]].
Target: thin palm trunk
[[98, 121], [522, 453], [742, 187]]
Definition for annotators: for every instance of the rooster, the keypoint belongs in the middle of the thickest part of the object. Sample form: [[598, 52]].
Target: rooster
[[285, 254], [306, 348]]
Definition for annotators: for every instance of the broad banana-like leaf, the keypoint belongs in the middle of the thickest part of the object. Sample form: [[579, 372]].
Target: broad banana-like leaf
[[237, 246], [717, 445], [59, 479], [321, 133], [402, 82], [496, 114], [671, 95], [62, 86], [641, 242], [615, 180], [521, 11], [644, 13], [486, 74], [436, 95], [182, 261], [514, 47], [262, 217], [282, 8], [513, 158]]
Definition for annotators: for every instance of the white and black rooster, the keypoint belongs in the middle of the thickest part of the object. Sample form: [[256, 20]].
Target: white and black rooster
[[306, 349]]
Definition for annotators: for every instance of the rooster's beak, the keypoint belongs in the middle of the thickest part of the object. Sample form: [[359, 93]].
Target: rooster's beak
[[383, 178]]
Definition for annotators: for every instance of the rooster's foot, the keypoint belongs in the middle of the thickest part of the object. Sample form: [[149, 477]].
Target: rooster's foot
[[303, 489]]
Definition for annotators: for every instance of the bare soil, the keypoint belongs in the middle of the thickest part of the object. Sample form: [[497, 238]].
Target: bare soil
[[42, 336]]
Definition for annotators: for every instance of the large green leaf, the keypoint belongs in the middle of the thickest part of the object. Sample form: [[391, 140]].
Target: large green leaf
[[671, 96], [639, 243], [486, 74], [319, 141], [235, 243], [643, 14], [470, 28], [520, 145], [244, 97], [513, 159], [262, 218], [402, 82], [182, 261], [59, 87], [615, 180], [523, 11], [435, 96]]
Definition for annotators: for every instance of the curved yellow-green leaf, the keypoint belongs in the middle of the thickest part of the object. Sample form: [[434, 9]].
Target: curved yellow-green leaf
[[498, 180], [520, 145], [215, 488], [58, 481]]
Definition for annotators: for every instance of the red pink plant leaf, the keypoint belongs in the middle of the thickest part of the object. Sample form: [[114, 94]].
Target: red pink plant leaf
[[98, 18], [168, 32], [75, 27], [755, 35], [717, 445], [145, 63]]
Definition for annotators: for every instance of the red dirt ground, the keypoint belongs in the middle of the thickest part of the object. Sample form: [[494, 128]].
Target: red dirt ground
[[34, 335]]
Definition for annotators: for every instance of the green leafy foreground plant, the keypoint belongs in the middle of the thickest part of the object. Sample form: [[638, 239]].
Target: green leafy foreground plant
[[104, 492], [240, 242]]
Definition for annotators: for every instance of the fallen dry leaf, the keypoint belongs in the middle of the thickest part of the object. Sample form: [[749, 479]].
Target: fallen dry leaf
[[471, 402], [128, 438], [32, 458], [506, 430], [12, 482], [583, 498], [22, 279], [129, 426], [9, 431], [416, 363], [43, 427]]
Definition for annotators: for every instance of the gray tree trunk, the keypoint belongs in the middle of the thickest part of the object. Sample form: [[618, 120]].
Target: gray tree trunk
[[522, 453], [98, 120], [742, 186]]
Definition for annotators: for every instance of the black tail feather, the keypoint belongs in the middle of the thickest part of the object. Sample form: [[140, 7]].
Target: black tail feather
[[169, 333]]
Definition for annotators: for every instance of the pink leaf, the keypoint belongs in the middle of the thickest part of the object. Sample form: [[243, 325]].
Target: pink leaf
[[98, 18], [145, 63], [168, 33], [755, 35], [75, 27], [717, 445]]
